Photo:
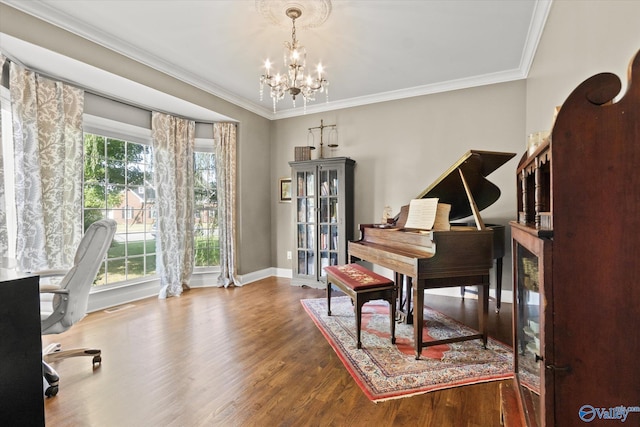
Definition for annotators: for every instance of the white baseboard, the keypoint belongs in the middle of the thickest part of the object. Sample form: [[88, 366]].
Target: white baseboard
[[506, 296], [101, 299]]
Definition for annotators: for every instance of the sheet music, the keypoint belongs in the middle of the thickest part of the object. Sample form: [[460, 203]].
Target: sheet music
[[422, 213], [428, 214]]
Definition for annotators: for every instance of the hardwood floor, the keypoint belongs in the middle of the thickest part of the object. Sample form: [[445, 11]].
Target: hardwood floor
[[247, 356]]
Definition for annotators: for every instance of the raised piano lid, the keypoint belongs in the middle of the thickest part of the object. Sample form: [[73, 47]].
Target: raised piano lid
[[475, 165]]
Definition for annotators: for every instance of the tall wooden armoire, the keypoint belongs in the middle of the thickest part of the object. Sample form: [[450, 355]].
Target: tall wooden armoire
[[576, 262]]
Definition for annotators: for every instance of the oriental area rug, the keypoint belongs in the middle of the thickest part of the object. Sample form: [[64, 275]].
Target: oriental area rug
[[386, 371]]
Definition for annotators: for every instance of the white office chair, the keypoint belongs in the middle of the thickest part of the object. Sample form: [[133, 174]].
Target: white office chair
[[71, 296]]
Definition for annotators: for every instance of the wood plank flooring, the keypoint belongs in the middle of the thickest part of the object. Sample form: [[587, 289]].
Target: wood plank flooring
[[247, 356]]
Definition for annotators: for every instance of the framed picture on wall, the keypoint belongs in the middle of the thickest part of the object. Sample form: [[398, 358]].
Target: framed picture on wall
[[285, 189]]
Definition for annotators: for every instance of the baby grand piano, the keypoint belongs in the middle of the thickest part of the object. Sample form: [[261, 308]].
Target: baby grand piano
[[438, 259]]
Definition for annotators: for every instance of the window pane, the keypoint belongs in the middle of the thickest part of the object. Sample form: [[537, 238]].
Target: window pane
[[135, 174], [94, 196], [116, 270], [115, 172], [206, 242], [116, 149], [135, 266], [101, 278], [117, 187], [150, 263]]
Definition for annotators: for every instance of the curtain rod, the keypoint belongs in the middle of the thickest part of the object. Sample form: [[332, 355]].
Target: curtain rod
[[101, 94]]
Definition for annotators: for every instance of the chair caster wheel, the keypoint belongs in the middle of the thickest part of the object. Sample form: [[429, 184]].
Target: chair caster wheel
[[97, 360], [51, 391]]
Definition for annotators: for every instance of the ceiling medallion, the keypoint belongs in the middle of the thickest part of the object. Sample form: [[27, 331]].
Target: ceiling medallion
[[314, 12]]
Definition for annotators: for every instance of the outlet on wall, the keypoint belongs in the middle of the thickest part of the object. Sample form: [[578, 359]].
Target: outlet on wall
[[288, 254]]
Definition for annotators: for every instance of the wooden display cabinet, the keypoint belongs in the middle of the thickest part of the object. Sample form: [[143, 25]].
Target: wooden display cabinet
[[576, 264]]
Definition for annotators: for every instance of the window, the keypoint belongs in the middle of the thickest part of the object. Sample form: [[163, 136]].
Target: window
[[114, 170], [118, 184], [207, 243]]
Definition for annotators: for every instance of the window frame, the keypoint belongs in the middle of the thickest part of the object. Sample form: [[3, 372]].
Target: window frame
[[8, 168]]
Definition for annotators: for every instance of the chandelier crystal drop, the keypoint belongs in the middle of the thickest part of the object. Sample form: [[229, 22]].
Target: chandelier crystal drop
[[294, 81]]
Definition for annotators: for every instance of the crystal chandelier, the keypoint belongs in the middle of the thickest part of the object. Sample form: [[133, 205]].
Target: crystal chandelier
[[294, 81]]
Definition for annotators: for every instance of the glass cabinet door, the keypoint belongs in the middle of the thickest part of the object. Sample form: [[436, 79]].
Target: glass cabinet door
[[532, 317], [305, 222], [328, 218], [528, 319], [322, 199]]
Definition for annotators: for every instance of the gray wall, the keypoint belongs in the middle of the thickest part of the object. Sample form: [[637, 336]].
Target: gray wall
[[580, 39], [401, 147]]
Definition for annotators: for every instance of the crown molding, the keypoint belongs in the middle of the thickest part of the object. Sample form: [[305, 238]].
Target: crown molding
[[538, 21], [451, 85]]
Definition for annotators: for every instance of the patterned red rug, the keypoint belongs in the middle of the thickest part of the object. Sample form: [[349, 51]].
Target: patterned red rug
[[385, 371]]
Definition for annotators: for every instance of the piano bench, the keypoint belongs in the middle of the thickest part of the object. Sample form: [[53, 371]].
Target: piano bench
[[362, 286]]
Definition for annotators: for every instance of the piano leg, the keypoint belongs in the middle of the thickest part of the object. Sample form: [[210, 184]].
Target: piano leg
[[400, 313], [498, 283], [483, 311], [418, 315], [403, 308], [409, 307]]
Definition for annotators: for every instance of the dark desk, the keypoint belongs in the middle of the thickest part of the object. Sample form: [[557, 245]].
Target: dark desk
[[21, 390]]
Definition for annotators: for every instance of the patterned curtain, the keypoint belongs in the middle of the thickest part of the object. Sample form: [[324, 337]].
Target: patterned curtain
[[173, 142], [4, 238], [224, 135], [48, 144]]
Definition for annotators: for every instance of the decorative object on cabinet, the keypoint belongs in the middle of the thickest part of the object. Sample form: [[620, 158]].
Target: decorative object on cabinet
[[322, 199], [302, 153], [576, 263], [332, 137], [285, 189]]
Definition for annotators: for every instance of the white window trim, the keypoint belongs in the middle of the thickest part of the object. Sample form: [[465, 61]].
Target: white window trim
[[8, 169], [114, 129], [204, 145]]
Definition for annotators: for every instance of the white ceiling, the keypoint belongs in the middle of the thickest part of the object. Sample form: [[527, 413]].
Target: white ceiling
[[372, 50]]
